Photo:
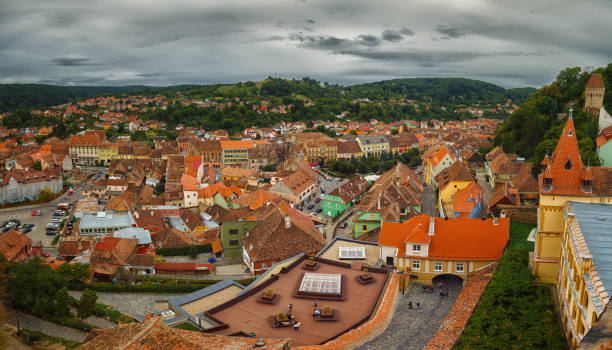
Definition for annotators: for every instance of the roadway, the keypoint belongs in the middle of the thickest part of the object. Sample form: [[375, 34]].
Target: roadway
[[38, 234]]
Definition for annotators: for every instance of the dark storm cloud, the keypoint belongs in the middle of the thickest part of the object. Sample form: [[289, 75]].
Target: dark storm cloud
[[71, 61], [130, 42], [369, 40], [392, 35], [451, 32]]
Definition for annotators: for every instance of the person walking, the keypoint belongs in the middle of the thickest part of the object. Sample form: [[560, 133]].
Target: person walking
[[418, 306], [410, 305], [290, 307], [296, 326], [315, 303]]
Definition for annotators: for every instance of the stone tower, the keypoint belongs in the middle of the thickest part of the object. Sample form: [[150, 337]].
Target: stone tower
[[594, 93]]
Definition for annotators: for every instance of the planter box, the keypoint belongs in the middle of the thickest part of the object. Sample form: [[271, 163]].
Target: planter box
[[365, 278], [331, 315], [268, 299], [311, 265]]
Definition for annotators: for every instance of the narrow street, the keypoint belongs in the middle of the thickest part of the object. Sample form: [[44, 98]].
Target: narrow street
[[430, 206]]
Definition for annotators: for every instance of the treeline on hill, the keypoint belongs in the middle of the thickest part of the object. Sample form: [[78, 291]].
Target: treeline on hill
[[448, 91], [534, 129], [33, 96]]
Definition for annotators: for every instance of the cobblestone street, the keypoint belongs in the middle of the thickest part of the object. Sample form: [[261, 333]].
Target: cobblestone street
[[130, 303], [412, 329]]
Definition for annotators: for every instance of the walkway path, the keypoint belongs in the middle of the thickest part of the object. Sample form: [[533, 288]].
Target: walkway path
[[52, 329], [412, 329], [130, 303]]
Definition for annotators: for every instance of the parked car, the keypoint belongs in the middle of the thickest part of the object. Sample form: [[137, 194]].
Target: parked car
[[318, 200], [6, 229], [39, 212], [310, 206], [343, 225], [33, 213], [45, 254], [59, 213], [320, 210], [16, 221], [56, 219], [27, 230]]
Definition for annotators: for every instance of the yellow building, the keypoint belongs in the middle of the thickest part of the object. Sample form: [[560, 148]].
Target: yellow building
[[107, 152], [430, 247], [373, 145], [322, 149], [584, 273], [564, 179], [450, 181]]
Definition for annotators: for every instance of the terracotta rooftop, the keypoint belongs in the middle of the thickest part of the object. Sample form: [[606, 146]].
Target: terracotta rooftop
[[595, 81], [273, 239], [453, 239], [153, 334], [12, 242], [456, 172], [245, 314]]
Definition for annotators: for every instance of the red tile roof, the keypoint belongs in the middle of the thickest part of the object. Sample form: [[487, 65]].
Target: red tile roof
[[453, 239], [595, 81]]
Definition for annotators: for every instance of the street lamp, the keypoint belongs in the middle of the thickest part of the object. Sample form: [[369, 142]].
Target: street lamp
[[18, 324]]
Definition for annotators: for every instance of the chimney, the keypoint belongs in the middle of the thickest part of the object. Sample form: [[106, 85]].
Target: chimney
[[287, 221], [267, 203], [291, 204], [502, 214], [495, 222], [379, 195], [431, 226]]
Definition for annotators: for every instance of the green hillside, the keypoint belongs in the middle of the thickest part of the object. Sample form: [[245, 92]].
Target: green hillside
[[533, 129]]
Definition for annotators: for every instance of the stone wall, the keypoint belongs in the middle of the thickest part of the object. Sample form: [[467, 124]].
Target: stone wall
[[527, 214]]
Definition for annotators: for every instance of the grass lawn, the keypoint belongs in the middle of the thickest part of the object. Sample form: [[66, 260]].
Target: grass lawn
[[518, 235], [188, 326]]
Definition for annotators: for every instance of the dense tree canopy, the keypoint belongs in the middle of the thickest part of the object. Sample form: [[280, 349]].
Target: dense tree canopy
[[533, 129]]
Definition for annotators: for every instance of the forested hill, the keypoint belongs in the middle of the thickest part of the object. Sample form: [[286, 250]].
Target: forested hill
[[442, 91], [455, 91], [533, 129], [34, 96]]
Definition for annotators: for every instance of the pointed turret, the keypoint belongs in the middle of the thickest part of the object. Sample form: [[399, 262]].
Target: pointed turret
[[565, 169]]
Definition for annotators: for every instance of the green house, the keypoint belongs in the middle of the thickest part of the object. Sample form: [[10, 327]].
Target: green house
[[232, 233], [342, 197], [334, 205], [366, 222], [604, 151]]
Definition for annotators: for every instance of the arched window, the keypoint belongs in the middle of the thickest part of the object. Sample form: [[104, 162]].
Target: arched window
[[568, 164]]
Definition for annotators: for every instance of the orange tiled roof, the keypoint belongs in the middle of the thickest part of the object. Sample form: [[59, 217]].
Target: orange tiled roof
[[595, 81], [466, 199], [453, 239], [230, 144]]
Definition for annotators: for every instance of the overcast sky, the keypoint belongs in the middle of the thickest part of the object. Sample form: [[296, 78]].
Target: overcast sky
[[116, 42]]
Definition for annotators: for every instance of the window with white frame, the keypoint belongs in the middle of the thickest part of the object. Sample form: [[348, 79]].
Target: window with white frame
[[438, 266], [459, 268], [416, 247], [416, 265]]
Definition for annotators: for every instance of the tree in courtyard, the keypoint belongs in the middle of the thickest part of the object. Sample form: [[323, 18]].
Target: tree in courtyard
[[87, 303], [45, 195], [62, 303]]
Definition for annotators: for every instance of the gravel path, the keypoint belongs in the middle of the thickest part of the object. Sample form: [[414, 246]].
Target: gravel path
[[130, 303], [412, 329]]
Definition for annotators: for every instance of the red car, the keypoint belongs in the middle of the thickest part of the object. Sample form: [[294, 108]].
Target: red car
[[318, 199], [33, 213], [45, 254]]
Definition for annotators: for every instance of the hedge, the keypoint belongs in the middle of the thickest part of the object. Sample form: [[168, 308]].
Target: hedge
[[73, 323], [183, 251], [169, 286], [147, 287], [114, 316]]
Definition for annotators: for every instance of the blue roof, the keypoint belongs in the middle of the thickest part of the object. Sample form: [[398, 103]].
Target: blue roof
[[143, 236], [106, 219], [595, 221], [178, 224], [204, 292]]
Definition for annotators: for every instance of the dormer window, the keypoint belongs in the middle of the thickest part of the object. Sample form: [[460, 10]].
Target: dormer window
[[568, 164], [587, 186], [569, 133], [547, 183]]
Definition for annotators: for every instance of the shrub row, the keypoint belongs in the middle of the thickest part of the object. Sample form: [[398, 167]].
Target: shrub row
[[186, 250], [169, 286]]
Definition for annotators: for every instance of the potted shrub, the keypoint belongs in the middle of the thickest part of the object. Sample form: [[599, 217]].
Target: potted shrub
[[282, 317], [268, 294], [326, 312]]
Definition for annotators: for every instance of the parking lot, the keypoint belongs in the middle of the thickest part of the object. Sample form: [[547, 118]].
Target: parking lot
[[327, 184], [24, 214]]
